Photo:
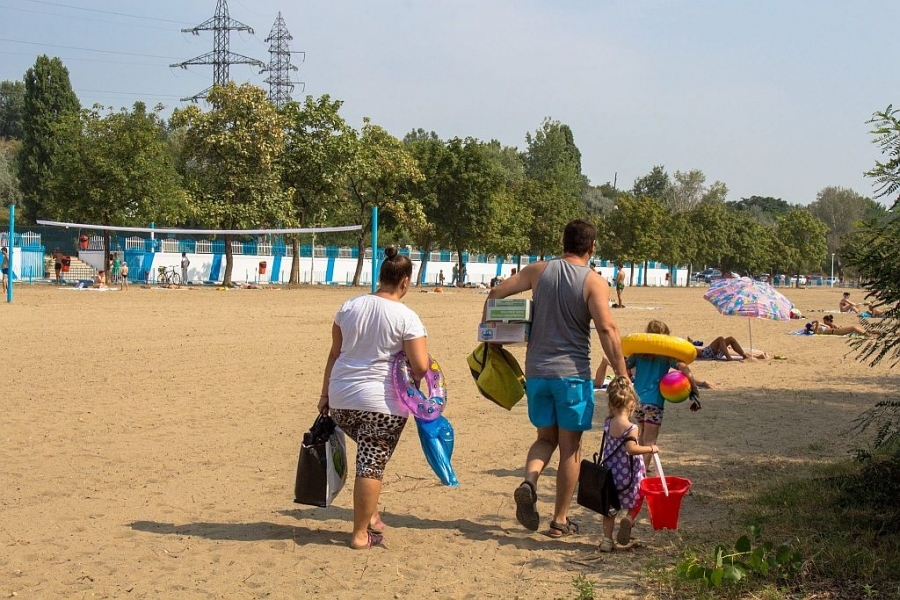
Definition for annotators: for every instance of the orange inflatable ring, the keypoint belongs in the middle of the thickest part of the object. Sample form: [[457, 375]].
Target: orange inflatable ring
[[661, 345]]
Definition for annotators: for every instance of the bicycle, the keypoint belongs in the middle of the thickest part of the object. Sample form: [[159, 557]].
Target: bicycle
[[168, 276]]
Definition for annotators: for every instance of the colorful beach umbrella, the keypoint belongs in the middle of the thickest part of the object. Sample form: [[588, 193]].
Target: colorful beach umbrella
[[745, 297]]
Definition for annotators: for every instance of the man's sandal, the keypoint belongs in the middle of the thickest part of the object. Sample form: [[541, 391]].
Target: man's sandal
[[558, 530], [526, 506]]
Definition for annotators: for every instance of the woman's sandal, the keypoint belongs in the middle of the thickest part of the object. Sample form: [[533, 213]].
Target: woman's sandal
[[558, 531], [372, 539]]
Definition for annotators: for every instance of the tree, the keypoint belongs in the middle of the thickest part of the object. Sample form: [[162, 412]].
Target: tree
[[9, 181], [381, 169], [318, 151], [654, 184], [842, 210], [114, 169], [553, 161], [231, 156], [802, 236], [12, 108], [473, 183], [509, 220], [634, 231], [763, 209], [875, 257], [48, 99]]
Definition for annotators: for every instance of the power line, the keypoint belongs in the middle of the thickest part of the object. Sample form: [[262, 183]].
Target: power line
[[108, 12], [97, 60], [139, 94], [85, 49], [52, 14]]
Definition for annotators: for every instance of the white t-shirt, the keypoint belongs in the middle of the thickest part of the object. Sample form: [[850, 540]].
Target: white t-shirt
[[373, 331]]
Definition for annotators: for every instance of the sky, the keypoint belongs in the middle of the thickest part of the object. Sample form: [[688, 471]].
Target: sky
[[769, 96]]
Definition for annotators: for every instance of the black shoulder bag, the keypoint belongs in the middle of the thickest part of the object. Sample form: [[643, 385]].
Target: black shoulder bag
[[596, 487]]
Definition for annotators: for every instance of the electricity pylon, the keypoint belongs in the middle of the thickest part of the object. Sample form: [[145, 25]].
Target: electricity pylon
[[280, 67], [220, 58]]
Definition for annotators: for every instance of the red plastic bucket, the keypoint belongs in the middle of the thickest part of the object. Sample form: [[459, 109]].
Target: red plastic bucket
[[664, 509]]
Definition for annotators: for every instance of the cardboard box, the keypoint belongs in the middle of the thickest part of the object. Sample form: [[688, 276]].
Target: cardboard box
[[504, 333], [509, 310]]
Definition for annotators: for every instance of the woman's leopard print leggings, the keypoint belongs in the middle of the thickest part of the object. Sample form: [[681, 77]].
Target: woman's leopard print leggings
[[376, 435]]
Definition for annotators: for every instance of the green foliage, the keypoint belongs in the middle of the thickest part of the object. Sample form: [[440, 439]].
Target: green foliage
[[584, 588], [232, 159], [655, 184], [319, 148], [763, 209], [48, 99], [802, 236], [635, 230], [12, 109], [9, 180], [553, 162], [382, 168], [886, 129], [750, 557]]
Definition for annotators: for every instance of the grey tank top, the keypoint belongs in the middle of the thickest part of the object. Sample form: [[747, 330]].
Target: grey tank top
[[560, 342]]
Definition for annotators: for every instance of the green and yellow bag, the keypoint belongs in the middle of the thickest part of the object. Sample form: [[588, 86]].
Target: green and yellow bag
[[497, 375]]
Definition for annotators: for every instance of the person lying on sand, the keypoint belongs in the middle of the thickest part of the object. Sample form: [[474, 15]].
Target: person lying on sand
[[827, 327], [727, 348]]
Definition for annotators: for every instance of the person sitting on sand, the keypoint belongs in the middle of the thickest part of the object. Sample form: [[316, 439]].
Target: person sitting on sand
[[727, 348], [846, 306], [100, 280], [827, 327]]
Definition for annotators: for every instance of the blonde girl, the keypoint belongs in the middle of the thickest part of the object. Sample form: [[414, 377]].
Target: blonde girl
[[624, 456]]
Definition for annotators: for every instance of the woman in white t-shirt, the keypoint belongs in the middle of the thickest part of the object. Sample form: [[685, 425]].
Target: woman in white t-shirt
[[358, 391]]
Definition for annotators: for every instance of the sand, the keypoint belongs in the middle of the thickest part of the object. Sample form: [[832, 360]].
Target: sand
[[150, 439]]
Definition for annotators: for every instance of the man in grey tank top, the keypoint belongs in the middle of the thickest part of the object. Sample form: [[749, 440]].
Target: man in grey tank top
[[568, 294]]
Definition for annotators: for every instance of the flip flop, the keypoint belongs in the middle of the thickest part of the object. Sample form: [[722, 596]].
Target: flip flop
[[379, 528], [372, 539], [526, 506]]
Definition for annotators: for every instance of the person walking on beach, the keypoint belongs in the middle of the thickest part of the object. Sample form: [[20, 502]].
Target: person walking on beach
[[185, 263], [567, 295], [624, 454], [5, 269], [358, 390], [620, 286], [57, 265], [124, 273]]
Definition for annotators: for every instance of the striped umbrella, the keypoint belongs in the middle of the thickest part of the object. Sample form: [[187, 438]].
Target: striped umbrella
[[745, 297]]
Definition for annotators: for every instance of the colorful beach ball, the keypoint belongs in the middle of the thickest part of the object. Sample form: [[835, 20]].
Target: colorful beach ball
[[675, 386]]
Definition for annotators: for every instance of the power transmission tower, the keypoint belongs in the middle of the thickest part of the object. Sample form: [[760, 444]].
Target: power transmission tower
[[220, 58], [280, 67]]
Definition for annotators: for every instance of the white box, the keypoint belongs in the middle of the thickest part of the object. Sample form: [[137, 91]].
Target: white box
[[504, 333], [509, 310]]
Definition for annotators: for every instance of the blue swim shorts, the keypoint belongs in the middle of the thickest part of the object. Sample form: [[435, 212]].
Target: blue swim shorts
[[567, 403]]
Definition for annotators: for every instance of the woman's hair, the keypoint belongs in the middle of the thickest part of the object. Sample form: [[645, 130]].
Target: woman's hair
[[394, 268], [828, 318], [621, 393], [657, 326]]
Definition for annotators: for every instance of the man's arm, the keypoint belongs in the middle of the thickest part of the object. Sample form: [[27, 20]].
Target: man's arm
[[596, 290]]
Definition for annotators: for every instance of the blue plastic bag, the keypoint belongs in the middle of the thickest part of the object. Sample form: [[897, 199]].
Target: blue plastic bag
[[437, 444]]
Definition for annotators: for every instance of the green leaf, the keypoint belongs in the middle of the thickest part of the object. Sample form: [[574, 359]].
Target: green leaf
[[719, 554], [755, 531], [733, 574], [783, 556], [743, 544], [717, 575]]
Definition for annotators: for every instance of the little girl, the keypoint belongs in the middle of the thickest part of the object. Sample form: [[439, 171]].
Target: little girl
[[625, 460]]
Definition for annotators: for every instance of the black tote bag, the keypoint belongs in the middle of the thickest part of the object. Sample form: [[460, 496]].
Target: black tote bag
[[322, 465], [596, 487]]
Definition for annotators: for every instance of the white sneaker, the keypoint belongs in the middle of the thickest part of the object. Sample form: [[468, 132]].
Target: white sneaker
[[607, 545]]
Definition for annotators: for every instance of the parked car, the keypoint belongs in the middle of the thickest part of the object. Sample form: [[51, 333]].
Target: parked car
[[707, 275], [831, 281], [799, 279], [764, 277]]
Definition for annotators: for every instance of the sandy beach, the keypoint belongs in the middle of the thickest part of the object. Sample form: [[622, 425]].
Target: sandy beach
[[150, 440]]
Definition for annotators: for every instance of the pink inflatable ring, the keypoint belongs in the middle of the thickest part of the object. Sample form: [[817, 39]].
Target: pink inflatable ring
[[427, 405]]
